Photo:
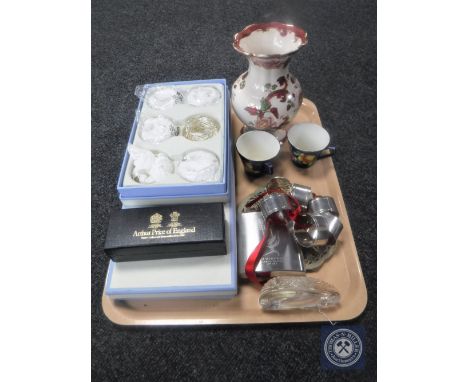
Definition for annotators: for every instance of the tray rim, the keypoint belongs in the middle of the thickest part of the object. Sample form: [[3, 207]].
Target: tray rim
[[115, 315]]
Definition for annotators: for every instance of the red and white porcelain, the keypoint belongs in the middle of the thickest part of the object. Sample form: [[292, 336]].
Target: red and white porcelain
[[267, 95]]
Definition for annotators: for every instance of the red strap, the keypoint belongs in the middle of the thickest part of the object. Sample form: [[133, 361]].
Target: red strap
[[255, 257], [261, 195], [257, 254], [296, 211]]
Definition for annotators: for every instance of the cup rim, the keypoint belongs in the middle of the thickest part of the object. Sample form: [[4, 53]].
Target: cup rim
[[257, 132], [310, 124]]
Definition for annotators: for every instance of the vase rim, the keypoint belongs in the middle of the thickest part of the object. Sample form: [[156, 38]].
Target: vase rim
[[282, 28]]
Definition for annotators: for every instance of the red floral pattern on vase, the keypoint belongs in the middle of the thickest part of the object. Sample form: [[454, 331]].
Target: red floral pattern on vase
[[266, 111], [267, 96]]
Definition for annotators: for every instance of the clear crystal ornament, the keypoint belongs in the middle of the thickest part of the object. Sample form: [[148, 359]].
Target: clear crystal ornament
[[297, 292], [162, 97], [157, 129], [203, 96], [200, 127]]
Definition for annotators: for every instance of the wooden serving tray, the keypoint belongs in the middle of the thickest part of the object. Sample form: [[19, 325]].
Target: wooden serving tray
[[342, 270]]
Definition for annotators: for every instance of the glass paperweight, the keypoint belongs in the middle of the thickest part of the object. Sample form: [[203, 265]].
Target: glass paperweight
[[297, 292], [163, 97], [157, 129], [149, 167], [199, 127], [203, 96], [199, 166]]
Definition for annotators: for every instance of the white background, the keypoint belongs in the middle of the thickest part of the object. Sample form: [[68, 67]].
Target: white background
[[422, 214], [422, 190], [45, 275]]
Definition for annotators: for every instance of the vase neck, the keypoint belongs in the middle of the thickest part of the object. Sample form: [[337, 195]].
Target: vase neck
[[268, 70]]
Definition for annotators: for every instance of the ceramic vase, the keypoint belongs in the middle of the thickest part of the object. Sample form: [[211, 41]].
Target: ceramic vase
[[267, 96]]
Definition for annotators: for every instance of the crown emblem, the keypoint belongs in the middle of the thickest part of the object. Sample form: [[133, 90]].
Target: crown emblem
[[174, 219], [155, 220], [174, 216]]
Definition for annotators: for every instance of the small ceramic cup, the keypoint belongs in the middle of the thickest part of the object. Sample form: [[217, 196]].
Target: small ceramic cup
[[309, 142], [257, 150]]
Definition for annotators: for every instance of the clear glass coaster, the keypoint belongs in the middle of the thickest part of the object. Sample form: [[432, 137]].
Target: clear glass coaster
[[199, 127], [297, 292], [149, 167], [163, 97], [199, 166], [203, 96], [157, 129]]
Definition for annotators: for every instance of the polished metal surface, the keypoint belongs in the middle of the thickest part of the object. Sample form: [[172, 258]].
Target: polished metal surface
[[281, 253], [334, 226], [313, 231], [318, 230], [302, 194], [313, 237], [274, 202], [322, 204], [250, 230]]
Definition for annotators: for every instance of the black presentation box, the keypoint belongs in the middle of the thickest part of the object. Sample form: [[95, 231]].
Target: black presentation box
[[166, 232]]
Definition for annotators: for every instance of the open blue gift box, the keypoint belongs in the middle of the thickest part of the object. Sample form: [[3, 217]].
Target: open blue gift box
[[198, 277], [135, 195]]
